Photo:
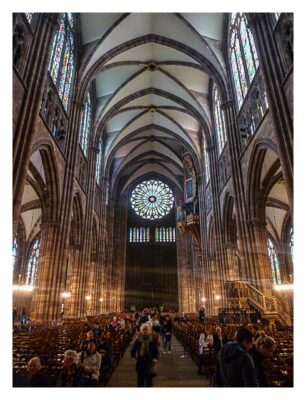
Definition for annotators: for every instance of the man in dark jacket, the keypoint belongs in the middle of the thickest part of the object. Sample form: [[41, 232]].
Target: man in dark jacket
[[145, 350], [219, 339], [235, 366], [202, 315]]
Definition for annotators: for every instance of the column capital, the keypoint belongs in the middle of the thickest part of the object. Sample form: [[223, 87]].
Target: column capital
[[78, 104], [227, 104], [95, 149], [210, 148]]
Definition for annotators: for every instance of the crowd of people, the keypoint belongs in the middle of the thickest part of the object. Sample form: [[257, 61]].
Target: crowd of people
[[236, 355]]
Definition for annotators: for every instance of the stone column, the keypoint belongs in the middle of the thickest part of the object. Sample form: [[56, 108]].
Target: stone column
[[207, 279], [243, 235], [232, 261], [263, 266], [278, 104], [25, 127], [221, 264], [186, 278], [119, 251], [46, 286], [72, 304], [102, 245]]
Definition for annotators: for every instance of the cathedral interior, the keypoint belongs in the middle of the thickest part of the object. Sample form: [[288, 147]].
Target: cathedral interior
[[153, 165]]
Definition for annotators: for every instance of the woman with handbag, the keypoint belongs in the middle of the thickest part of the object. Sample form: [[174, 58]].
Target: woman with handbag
[[145, 350]]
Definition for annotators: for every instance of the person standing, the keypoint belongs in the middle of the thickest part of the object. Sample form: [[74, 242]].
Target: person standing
[[167, 333], [156, 324], [205, 344], [145, 350], [23, 316], [219, 340], [235, 366], [202, 315]]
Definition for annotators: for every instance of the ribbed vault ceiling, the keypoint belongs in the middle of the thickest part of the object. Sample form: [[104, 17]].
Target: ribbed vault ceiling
[[152, 74]]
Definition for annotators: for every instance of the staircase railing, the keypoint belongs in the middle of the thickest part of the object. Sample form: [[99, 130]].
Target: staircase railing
[[242, 293]]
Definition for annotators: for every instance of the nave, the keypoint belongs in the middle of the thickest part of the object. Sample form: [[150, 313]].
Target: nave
[[174, 370], [152, 167]]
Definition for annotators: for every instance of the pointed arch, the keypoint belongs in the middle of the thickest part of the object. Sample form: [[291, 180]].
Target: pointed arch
[[51, 192], [255, 201], [229, 219]]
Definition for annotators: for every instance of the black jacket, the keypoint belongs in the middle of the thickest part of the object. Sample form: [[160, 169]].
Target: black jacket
[[70, 380], [258, 361], [144, 362], [217, 345], [235, 367], [38, 380]]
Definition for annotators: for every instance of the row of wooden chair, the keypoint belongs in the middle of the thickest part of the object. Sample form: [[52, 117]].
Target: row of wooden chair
[[50, 344]]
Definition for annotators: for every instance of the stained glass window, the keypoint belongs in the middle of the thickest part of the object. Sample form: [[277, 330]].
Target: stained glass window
[[274, 263], [219, 119], [139, 235], [61, 66], [152, 199], [14, 251], [98, 163], [107, 193], [85, 125], [243, 55], [206, 161], [33, 263], [291, 242], [29, 17], [165, 234]]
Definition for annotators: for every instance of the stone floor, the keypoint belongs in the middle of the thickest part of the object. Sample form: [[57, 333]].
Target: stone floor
[[173, 370]]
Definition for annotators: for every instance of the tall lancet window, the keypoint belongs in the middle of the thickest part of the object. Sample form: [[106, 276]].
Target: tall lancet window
[[206, 161], [274, 262], [98, 163], [85, 125], [62, 61], [33, 263], [29, 16], [219, 119], [14, 252], [291, 242], [243, 55]]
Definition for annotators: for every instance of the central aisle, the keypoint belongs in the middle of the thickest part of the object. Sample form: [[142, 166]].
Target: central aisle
[[173, 371]]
